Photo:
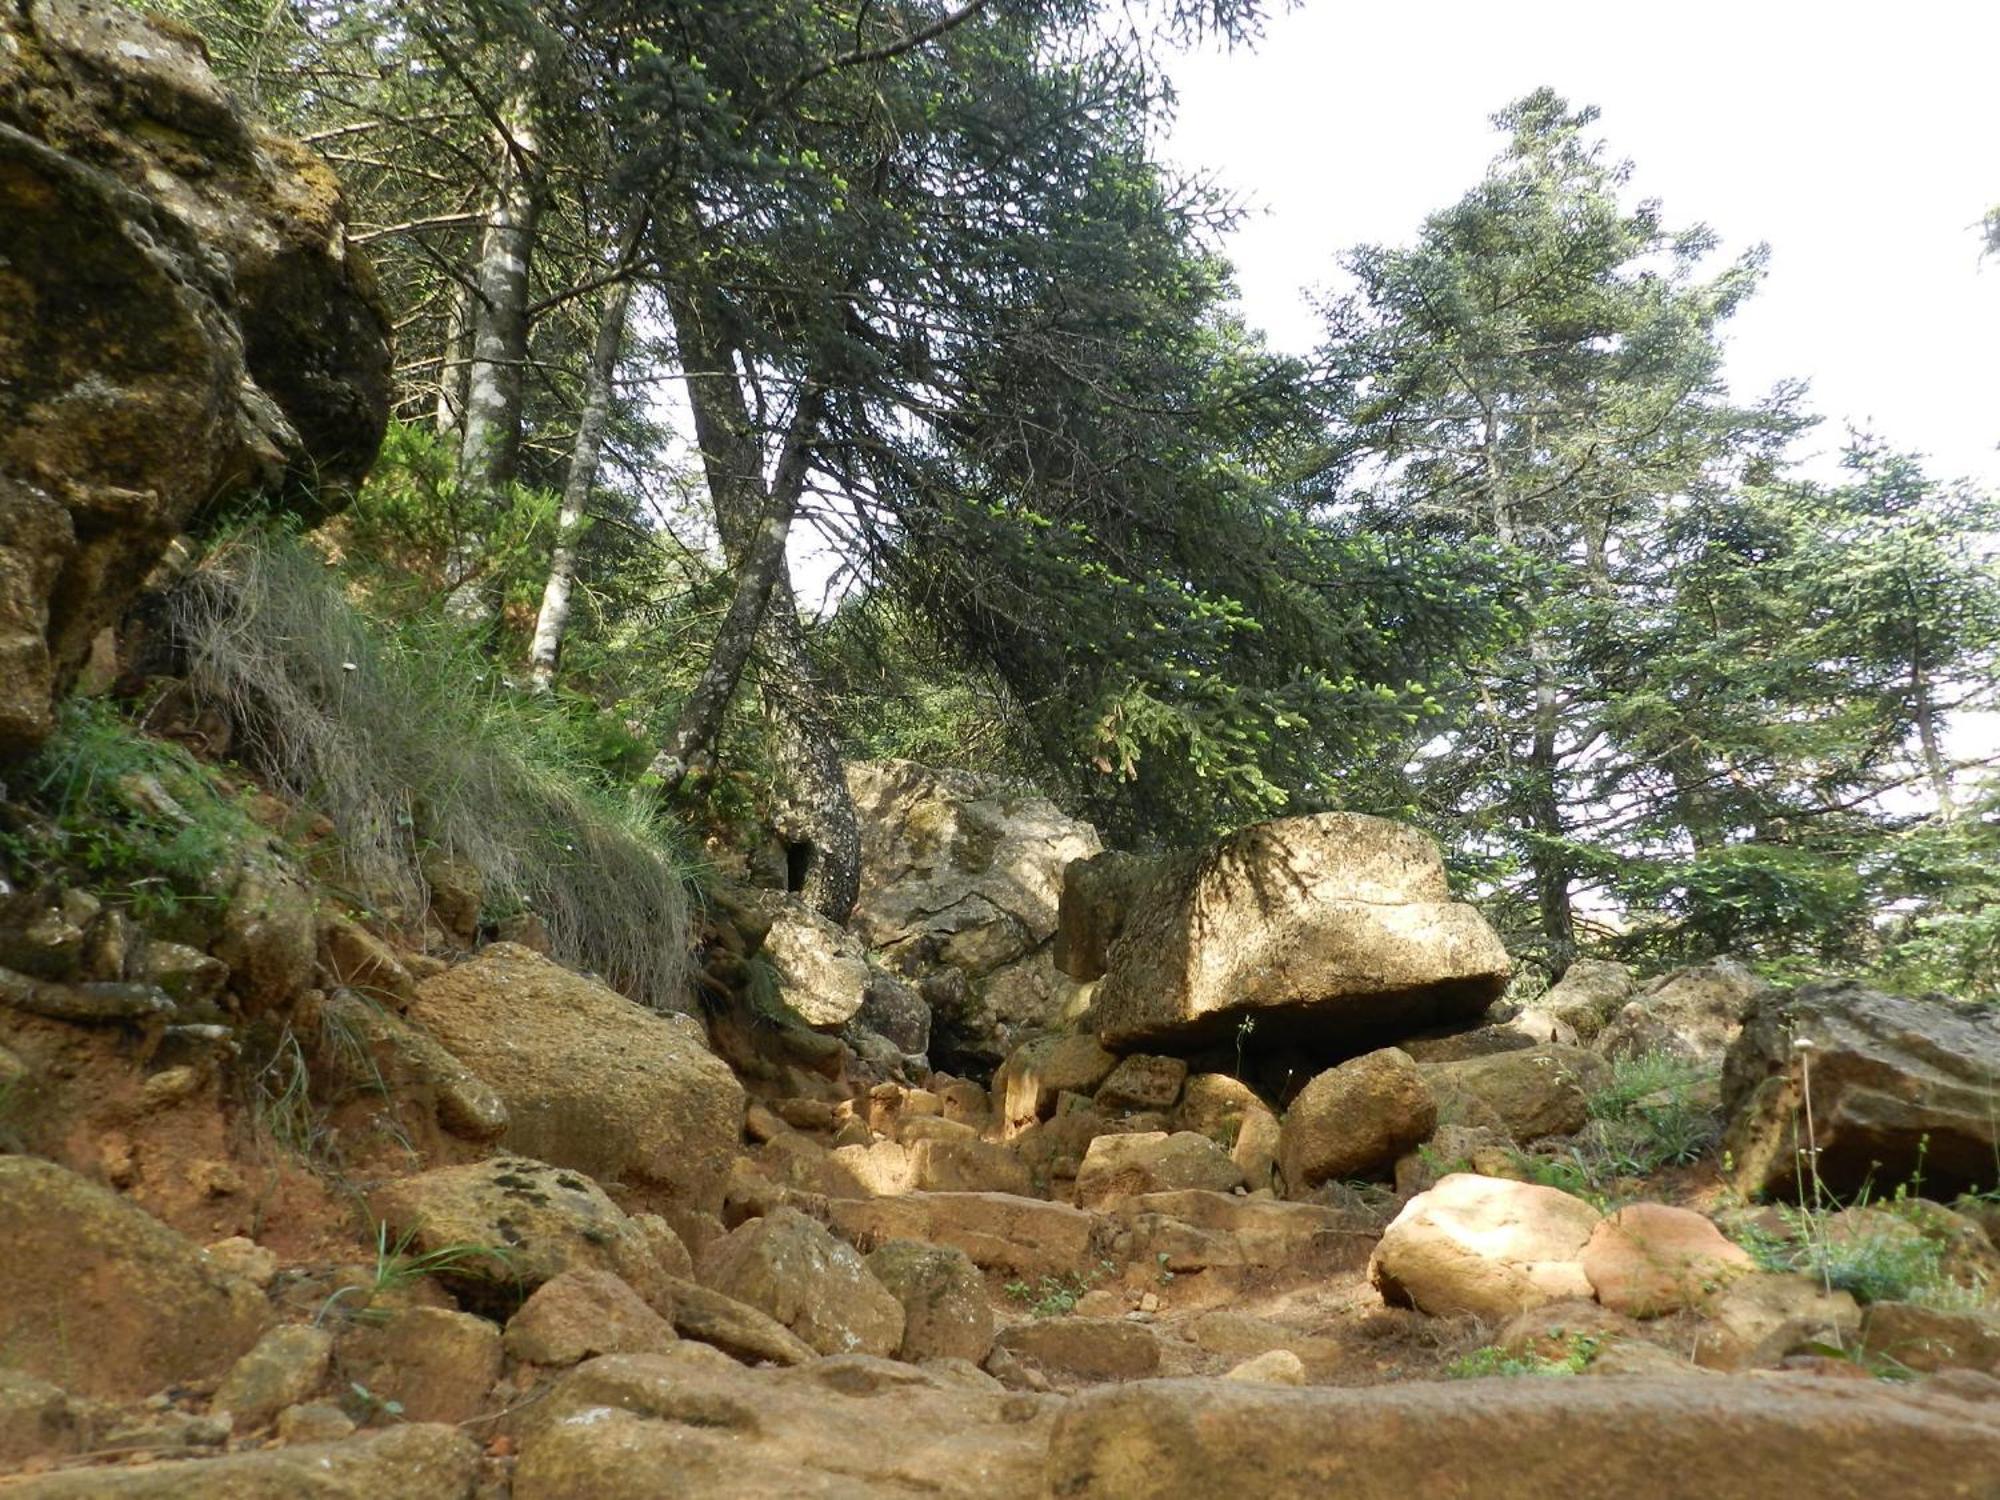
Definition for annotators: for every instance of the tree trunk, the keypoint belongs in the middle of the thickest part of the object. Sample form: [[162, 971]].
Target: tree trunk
[[819, 822], [552, 621], [1550, 863], [450, 418], [759, 569], [489, 452]]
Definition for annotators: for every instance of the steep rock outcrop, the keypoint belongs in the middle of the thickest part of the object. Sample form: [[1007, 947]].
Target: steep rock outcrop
[[182, 322], [960, 885]]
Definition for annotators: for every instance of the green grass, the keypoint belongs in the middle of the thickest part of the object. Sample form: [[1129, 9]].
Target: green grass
[[1881, 1265], [411, 742], [1578, 1351], [397, 1267], [135, 819]]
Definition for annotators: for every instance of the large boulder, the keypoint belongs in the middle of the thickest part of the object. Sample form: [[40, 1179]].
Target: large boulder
[[1527, 1094], [822, 967], [1487, 1246], [1692, 1013], [1590, 993], [184, 319], [999, 1231], [960, 883], [1524, 1440], [788, 1266], [105, 1300], [1152, 1161], [1898, 1087], [1355, 1120], [1334, 930], [507, 1225], [1037, 1073], [590, 1080]]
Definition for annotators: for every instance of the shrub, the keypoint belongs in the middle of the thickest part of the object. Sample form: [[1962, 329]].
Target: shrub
[[1578, 1351], [409, 741]]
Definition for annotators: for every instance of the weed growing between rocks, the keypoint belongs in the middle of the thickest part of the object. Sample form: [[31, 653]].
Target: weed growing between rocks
[[411, 743], [397, 1268], [1578, 1350]]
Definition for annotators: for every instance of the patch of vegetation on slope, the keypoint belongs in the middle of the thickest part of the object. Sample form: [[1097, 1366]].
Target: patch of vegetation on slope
[[414, 746]]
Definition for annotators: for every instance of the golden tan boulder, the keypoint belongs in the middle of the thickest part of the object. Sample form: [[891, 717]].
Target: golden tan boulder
[[1355, 1120], [1486, 1246], [1648, 1259], [589, 1079], [788, 1266]]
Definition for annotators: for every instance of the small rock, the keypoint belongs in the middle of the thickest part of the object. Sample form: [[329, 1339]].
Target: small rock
[[437, 1365], [37, 1420], [284, 1367], [581, 1313], [313, 1423], [1143, 1081], [945, 1311], [244, 1258], [1274, 1367], [791, 1268], [1084, 1349], [1648, 1259], [1125, 1166], [1485, 1246]]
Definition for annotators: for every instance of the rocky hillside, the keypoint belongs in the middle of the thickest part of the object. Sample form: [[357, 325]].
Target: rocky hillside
[[1056, 1172]]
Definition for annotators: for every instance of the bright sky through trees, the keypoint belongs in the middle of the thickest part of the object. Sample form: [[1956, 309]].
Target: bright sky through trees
[[1860, 141]]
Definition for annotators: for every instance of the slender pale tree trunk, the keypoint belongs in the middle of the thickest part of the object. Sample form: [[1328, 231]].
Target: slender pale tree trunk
[[552, 621], [489, 452], [819, 822], [450, 416], [759, 570]]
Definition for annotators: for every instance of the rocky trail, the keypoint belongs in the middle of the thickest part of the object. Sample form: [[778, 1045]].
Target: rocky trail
[[1056, 1171]]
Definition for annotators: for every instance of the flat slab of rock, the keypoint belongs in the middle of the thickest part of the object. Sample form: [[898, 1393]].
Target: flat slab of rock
[[1488, 1246], [1527, 1094], [1085, 1349], [999, 1231], [102, 1298], [1198, 1231], [589, 1079], [417, 1461], [1329, 928], [1898, 1086], [693, 1424], [1524, 1440]]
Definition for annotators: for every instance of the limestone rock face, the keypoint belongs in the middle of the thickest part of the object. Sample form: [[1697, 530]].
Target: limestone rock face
[[1895, 1083], [1486, 1246], [1333, 929], [960, 884], [102, 1298], [589, 1079], [1523, 1440], [1693, 1013], [184, 321], [788, 1266], [1355, 1119]]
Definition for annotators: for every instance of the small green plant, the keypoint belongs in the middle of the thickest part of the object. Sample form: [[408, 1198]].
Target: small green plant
[[135, 818], [1052, 1296], [1578, 1350], [397, 1267], [1652, 1114]]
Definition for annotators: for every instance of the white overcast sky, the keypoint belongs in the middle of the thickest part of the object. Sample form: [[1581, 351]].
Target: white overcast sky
[[1861, 142]]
